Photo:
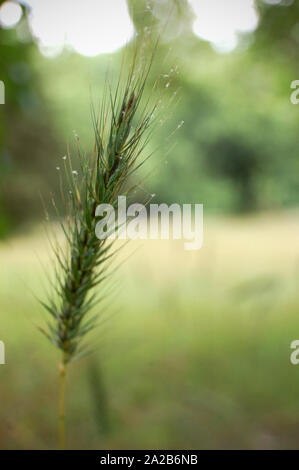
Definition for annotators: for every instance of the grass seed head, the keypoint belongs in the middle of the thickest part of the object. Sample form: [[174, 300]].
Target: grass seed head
[[83, 265]]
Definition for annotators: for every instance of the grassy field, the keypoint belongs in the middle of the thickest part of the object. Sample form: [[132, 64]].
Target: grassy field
[[194, 353]]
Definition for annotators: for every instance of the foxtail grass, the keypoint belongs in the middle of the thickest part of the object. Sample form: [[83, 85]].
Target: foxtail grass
[[122, 128]]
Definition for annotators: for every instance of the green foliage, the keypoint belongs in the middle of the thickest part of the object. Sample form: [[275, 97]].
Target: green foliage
[[26, 140], [238, 102]]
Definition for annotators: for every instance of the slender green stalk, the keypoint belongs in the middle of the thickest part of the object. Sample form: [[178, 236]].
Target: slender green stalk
[[61, 424]]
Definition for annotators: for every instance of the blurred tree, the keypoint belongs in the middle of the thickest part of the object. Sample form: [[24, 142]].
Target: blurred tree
[[25, 138], [236, 149], [278, 31], [238, 119], [234, 159]]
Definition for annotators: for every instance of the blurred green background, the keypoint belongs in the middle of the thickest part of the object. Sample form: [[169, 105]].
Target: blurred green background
[[197, 354]]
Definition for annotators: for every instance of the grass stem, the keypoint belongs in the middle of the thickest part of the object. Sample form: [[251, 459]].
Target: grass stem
[[62, 369]]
